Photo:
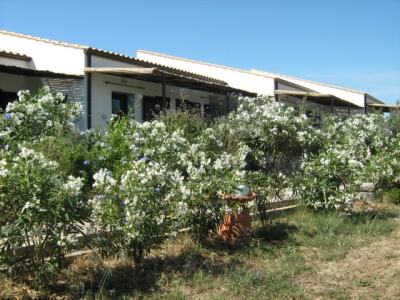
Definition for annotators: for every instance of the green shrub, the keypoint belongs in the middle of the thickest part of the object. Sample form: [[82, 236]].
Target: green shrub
[[392, 196], [42, 202]]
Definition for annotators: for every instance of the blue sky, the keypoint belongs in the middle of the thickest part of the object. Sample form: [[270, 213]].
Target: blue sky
[[349, 43]]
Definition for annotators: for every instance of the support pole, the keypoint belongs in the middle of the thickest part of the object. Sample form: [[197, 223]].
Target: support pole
[[227, 101], [331, 104], [348, 109], [89, 91], [365, 105], [163, 87]]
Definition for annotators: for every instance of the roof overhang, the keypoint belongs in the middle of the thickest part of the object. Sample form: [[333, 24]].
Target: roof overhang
[[147, 64], [319, 98], [36, 73], [173, 78], [377, 101], [291, 84], [383, 107], [14, 55]]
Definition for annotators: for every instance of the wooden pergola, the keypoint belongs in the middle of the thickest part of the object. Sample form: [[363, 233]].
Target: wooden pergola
[[319, 98], [387, 108]]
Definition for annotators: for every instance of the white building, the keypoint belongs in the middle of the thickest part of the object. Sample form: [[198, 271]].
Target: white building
[[285, 89], [108, 83], [104, 82]]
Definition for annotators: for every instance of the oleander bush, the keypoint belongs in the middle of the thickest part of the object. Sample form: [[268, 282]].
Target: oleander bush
[[42, 200], [356, 149], [133, 184], [163, 180]]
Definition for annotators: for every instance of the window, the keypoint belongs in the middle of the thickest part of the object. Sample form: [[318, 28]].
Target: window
[[7, 97], [122, 103]]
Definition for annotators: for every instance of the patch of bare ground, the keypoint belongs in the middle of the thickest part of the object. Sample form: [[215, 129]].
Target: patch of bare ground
[[371, 272]]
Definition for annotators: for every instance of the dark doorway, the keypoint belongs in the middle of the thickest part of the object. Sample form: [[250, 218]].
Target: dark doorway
[[153, 106], [7, 97]]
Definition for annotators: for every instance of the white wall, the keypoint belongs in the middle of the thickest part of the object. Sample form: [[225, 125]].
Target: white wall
[[101, 62], [286, 87], [353, 97], [236, 78], [8, 61], [102, 94], [46, 55]]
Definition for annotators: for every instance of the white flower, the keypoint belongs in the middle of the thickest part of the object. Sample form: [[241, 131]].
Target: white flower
[[103, 179], [73, 186], [3, 171]]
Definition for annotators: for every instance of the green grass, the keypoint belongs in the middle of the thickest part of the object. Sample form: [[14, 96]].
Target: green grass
[[335, 234], [264, 268]]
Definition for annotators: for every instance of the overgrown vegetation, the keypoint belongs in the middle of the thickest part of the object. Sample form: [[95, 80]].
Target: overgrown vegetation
[[127, 187]]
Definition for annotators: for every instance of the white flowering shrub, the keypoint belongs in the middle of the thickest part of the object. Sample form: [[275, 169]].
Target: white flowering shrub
[[209, 168], [144, 181], [39, 209], [278, 137], [210, 172], [274, 132], [356, 149], [42, 198], [324, 181], [163, 179], [330, 161], [135, 211], [42, 114], [45, 123]]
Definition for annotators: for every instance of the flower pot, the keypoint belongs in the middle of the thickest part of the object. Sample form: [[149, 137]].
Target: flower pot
[[237, 225]]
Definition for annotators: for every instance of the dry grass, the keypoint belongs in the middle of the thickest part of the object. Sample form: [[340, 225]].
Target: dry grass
[[298, 256]]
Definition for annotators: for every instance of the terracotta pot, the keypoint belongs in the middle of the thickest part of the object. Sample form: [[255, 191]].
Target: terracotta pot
[[237, 225]]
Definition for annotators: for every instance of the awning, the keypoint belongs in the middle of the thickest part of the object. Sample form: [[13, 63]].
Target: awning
[[319, 98], [36, 73], [122, 71], [173, 78], [384, 107]]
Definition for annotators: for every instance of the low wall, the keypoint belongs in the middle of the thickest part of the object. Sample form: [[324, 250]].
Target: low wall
[[367, 192]]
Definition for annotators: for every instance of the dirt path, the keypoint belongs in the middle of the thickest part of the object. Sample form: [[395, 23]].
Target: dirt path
[[372, 272]]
